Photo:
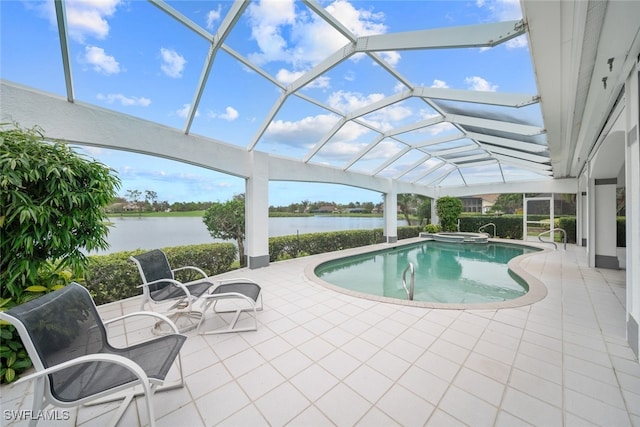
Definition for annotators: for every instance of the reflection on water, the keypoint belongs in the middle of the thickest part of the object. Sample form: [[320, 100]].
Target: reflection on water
[[129, 233]]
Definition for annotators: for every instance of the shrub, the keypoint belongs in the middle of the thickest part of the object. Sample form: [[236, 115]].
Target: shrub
[[293, 246], [449, 209], [432, 228]]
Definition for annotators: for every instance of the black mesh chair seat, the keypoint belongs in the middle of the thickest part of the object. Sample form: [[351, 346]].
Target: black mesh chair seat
[[248, 299], [249, 289], [173, 292], [64, 327]]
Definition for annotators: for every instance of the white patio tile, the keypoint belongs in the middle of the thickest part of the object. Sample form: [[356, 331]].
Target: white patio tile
[[376, 418], [186, 415], [388, 364], [309, 417], [291, 362], [424, 384], [480, 386], [247, 416], [314, 381], [535, 411], [207, 380], [535, 386], [339, 363], [221, 403], [282, 404], [595, 410], [368, 383], [405, 407], [468, 408], [260, 381], [342, 405]]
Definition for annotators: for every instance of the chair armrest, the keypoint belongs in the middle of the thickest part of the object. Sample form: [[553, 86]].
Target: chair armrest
[[237, 279], [189, 267], [90, 358], [172, 281], [160, 316]]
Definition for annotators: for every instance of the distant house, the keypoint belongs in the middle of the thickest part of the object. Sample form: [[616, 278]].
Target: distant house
[[325, 209], [479, 204]]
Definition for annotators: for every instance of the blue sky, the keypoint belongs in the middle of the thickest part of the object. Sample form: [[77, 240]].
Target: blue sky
[[130, 57]]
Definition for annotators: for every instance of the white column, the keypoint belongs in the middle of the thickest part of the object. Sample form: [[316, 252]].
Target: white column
[[582, 213], [391, 215], [435, 219], [604, 232], [632, 191], [257, 211]]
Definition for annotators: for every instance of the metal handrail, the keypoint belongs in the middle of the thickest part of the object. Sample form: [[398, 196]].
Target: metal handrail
[[486, 225], [412, 283], [564, 237]]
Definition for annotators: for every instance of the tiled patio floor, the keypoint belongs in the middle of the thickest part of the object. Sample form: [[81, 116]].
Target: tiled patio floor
[[322, 358]]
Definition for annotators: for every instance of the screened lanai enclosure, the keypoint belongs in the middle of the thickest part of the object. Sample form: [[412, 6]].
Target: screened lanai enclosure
[[432, 98]]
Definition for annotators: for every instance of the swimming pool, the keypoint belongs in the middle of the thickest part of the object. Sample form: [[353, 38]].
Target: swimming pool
[[445, 273]]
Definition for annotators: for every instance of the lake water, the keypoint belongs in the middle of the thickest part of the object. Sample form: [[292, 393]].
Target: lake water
[[150, 233]]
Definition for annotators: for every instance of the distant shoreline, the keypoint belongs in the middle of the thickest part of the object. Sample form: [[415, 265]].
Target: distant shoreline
[[201, 213]]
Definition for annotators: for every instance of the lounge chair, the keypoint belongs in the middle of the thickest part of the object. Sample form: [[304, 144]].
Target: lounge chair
[[247, 296], [74, 362], [160, 286]]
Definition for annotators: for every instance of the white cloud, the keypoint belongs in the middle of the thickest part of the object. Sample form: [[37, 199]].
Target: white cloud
[[304, 132], [480, 84], [310, 38], [101, 62], [349, 101], [436, 129], [230, 114], [124, 100], [440, 84], [502, 10], [85, 18], [287, 77], [213, 16], [172, 63], [184, 111]]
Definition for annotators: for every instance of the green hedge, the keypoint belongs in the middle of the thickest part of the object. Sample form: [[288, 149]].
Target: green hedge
[[114, 277], [285, 247]]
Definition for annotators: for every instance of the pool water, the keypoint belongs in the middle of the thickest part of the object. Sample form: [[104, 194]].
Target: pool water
[[444, 272]]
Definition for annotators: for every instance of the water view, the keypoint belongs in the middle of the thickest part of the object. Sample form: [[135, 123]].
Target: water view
[[150, 233]]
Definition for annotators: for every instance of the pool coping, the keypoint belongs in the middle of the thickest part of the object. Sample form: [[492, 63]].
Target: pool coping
[[537, 289]]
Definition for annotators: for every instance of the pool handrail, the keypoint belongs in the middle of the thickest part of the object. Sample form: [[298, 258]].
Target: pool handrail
[[409, 291], [564, 237], [486, 225]]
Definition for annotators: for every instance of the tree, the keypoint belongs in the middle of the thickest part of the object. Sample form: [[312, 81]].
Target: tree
[[52, 204], [133, 196], [226, 221], [405, 202], [151, 198], [424, 209], [449, 209], [508, 203]]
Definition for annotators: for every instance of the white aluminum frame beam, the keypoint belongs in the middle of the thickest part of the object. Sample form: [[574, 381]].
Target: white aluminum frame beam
[[61, 18], [484, 35]]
